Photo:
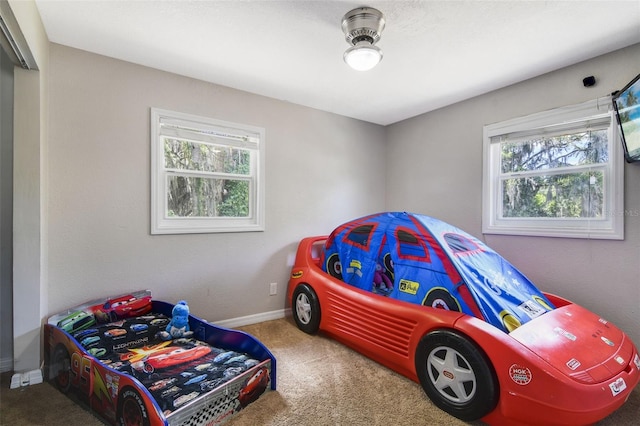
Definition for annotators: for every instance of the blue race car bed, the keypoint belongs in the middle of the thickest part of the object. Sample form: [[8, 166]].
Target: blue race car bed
[[111, 355]]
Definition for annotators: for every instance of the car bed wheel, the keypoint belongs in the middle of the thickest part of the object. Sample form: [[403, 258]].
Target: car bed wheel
[[456, 375], [306, 309], [131, 409], [61, 366]]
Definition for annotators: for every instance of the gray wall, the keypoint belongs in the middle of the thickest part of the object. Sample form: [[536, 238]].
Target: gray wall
[[29, 192], [434, 166], [321, 169], [6, 212]]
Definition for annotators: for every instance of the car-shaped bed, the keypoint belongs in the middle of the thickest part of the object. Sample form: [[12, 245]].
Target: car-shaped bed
[[438, 306], [127, 374]]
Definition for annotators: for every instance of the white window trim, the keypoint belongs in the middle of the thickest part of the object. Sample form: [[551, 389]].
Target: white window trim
[[611, 226], [160, 223]]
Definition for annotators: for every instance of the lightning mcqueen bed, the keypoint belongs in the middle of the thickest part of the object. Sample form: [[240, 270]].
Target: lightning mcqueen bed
[[108, 354]]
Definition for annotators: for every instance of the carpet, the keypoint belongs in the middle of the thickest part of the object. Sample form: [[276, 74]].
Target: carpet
[[320, 382]]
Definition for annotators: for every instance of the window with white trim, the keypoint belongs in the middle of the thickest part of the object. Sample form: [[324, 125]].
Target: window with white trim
[[558, 173], [207, 175]]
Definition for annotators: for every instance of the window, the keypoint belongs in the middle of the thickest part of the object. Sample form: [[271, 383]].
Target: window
[[206, 175], [557, 173]]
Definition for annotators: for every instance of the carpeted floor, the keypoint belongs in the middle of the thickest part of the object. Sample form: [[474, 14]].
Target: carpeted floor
[[320, 382]]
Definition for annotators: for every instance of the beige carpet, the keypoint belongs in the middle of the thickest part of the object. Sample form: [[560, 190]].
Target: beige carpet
[[320, 382]]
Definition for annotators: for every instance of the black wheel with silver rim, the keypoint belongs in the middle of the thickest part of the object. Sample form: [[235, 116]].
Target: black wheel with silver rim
[[456, 375], [306, 309]]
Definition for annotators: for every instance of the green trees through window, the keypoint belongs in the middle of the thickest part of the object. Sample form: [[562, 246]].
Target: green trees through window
[[545, 177], [213, 196], [556, 173], [207, 175]]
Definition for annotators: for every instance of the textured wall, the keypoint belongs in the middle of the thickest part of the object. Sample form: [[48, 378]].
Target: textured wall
[[321, 169], [434, 166], [6, 212]]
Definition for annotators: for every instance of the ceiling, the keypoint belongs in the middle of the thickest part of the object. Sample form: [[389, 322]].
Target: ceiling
[[435, 52]]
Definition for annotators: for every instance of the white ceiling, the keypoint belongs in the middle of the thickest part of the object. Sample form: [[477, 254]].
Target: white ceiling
[[435, 52]]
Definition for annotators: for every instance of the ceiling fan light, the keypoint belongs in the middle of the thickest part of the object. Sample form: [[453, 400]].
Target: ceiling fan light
[[363, 56], [362, 28]]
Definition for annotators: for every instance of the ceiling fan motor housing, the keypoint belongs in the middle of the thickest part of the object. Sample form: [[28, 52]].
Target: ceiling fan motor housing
[[363, 24]]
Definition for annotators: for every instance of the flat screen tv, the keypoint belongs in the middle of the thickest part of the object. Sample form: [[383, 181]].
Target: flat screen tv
[[627, 105]]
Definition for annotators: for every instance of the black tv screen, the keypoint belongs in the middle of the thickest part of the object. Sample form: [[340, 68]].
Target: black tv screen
[[627, 105]]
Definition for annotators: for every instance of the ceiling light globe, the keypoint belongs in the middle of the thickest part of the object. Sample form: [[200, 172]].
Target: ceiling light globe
[[363, 56]]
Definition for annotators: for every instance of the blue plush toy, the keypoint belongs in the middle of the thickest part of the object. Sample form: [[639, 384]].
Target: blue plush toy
[[179, 324]]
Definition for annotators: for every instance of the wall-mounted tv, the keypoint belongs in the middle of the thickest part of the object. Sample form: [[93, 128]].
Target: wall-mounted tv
[[627, 105]]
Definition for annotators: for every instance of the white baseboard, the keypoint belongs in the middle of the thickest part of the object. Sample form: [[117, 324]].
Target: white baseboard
[[6, 364], [252, 319]]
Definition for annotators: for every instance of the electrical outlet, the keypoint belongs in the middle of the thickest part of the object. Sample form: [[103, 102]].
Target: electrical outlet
[[273, 289]]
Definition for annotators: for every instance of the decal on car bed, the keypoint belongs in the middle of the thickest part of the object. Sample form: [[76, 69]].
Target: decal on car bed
[[532, 309], [355, 267], [562, 332], [520, 375], [100, 388], [607, 341], [617, 386], [296, 274], [113, 384], [410, 287], [573, 364]]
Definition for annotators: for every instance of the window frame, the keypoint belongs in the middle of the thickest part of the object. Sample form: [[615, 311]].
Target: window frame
[[163, 124], [573, 117]]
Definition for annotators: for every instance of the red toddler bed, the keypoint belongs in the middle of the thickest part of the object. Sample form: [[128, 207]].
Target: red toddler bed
[[109, 355]]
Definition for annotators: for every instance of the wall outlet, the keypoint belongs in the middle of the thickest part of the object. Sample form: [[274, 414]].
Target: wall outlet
[[273, 289]]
